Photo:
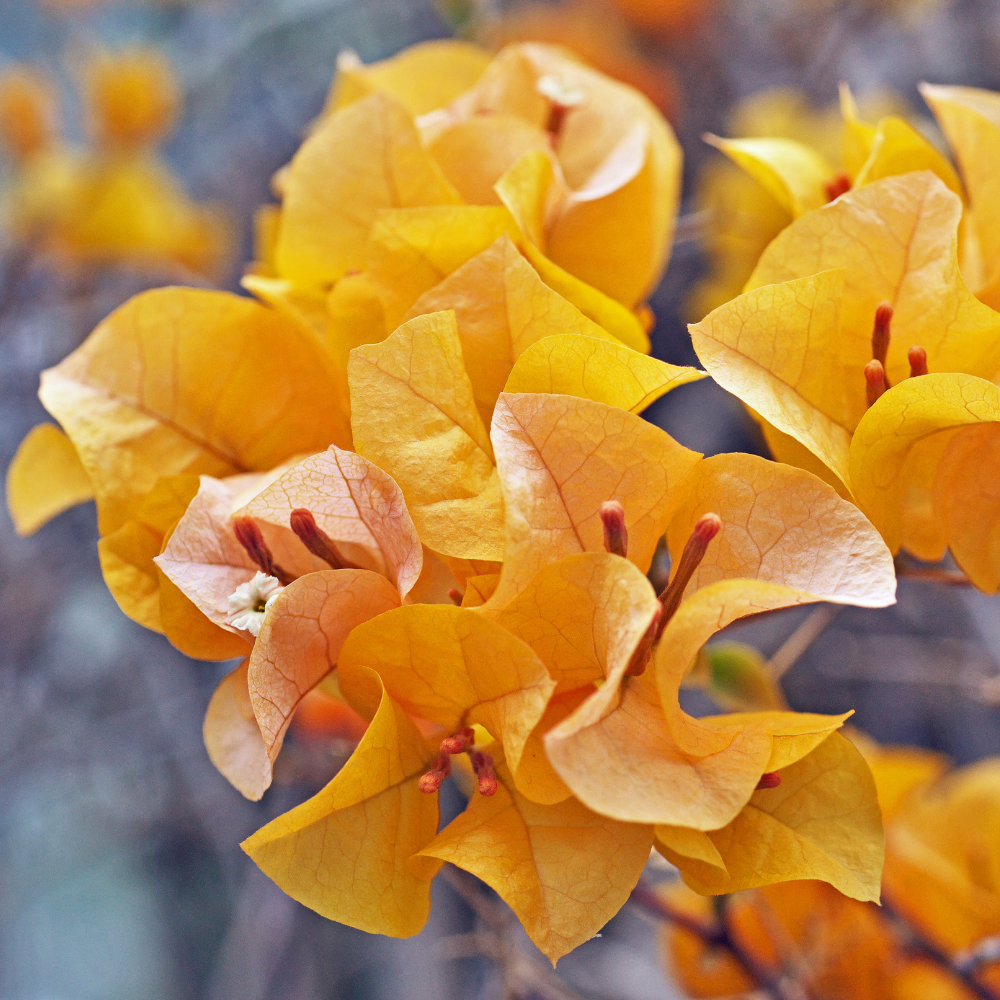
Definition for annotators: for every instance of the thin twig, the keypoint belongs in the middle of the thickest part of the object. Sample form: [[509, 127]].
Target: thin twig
[[802, 638], [719, 936], [984, 952], [914, 939], [949, 577], [522, 974]]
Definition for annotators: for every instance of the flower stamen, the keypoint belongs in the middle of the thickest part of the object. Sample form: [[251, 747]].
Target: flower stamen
[[615, 532], [917, 357], [482, 764], [434, 778], [839, 184], [707, 527], [875, 381], [248, 534], [771, 779], [461, 741], [316, 540]]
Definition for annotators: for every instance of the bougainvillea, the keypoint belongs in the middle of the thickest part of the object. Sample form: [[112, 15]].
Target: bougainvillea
[[415, 475]]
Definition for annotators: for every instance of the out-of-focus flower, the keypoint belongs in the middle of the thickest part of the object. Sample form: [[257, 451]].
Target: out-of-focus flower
[[132, 98], [595, 767], [667, 19], [27, 112], [848, 300], [940, 877], [793, 158], [117, 201], [597, 34]]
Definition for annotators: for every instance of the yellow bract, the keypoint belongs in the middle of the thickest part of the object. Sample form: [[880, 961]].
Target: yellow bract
[[184, 381], [413, 411], [331, 200], [915, 470], [423, 77], [791, 172], [560, 458], [44, 478], [598, 370], [821, 822], [454, 667], [127, 553], [346, 851], [232, 736], [795, 345], [970, 119], [563, 870]]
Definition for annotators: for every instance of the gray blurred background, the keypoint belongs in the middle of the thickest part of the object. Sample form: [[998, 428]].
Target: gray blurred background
[[120, 870]]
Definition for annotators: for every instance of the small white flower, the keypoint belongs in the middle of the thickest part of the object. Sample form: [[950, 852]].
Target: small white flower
[[250, 601], [560, 91]]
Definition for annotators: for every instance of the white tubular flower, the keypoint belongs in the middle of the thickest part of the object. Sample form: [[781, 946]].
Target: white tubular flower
[[251, 601]]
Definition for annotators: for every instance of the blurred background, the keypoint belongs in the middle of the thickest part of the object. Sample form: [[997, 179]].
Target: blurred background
[[120, 870]]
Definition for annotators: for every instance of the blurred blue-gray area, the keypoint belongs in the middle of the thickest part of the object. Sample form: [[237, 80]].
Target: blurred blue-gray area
[[120, 870]]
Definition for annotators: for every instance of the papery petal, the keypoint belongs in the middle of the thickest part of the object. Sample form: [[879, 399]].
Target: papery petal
[[793, 173], [233, 738], [897, 448], [559, 458], [779, 348], [605, 372], [785, 526], [414, 415], [821, 822], [502, 308], [454, 667], [301, 639], [354, 502], [185, 381], [331, 200], [897, 240], [422, 77], [564, 870], [44, 478], [345, 852]]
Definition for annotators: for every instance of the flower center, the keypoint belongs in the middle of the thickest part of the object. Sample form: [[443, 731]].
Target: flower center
[[461, 741], [876, 380]]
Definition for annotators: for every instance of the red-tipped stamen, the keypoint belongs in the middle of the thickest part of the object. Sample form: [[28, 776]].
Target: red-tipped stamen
[[917, 357], [456, 596], [640, 658], [769, 780], [875, 381], [482, 764], [615, 532], [708, 526], [461, 742], [316, 540], [434, 778], [248, 534], [882, 332], [839, 184]]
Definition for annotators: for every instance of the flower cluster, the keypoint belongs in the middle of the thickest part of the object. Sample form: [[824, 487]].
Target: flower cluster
[[413, 473], [115, 201], [865, 342], [940, 887]]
